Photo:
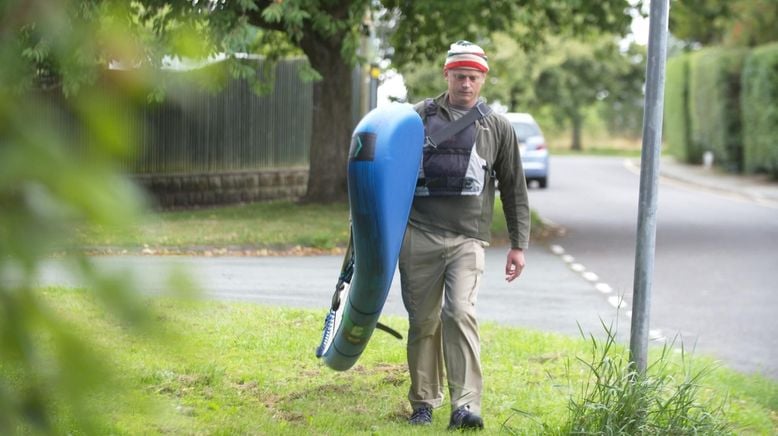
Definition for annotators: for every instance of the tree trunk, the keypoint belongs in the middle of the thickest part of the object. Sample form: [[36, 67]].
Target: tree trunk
[[332, 123], [577, 121]]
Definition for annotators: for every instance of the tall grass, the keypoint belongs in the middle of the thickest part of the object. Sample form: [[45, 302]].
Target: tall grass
[[669, 398]]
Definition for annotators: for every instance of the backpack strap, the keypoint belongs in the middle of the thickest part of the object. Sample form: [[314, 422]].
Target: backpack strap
[[430, 108], [476, 113]]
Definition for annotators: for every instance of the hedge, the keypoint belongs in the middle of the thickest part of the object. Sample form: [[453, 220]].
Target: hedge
[[676, 116], [714, 106], [759, 101]]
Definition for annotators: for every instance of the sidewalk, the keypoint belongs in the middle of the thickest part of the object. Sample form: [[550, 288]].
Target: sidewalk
[[756, 188]]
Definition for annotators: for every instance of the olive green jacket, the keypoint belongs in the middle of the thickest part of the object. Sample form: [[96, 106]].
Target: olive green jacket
[[472, 215]]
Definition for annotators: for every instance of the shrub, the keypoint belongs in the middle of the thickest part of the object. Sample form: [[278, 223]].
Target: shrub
[[759, 101], [714, 105], [676, 116]]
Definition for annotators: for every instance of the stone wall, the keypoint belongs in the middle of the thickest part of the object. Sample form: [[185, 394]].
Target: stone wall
[[178, 191]]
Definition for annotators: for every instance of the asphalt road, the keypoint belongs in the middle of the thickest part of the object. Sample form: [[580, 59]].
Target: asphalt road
[[716, 271], [549, 296]]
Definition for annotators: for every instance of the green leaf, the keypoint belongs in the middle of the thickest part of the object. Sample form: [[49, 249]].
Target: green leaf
[[248, 5], [273, 13]]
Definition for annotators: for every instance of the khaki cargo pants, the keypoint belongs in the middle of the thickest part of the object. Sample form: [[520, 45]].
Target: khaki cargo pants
[[440, 276]]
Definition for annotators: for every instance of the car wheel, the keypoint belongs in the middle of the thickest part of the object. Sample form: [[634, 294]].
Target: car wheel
[[543, 182]]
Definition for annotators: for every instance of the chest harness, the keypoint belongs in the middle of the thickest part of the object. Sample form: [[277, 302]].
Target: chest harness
[[450, 165]]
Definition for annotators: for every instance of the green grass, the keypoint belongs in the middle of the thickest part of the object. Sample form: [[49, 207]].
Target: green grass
[[274, 226], [240, 368]]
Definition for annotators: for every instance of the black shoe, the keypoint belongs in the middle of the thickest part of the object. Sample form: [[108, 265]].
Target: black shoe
[[421, 416], [463, 418]]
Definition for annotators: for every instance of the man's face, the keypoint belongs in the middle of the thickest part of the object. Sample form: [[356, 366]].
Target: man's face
[[464, 86]]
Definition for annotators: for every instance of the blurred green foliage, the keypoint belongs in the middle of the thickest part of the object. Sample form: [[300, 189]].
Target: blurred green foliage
[[423, 30], [759, 103], [714, 105], [53, 56], [676, 116], [568, 78], [741, 23], [722, 99]]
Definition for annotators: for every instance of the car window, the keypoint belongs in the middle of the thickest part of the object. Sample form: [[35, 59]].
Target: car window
[[526, 130]]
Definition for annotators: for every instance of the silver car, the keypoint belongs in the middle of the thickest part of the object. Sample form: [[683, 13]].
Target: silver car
[[532, 146]]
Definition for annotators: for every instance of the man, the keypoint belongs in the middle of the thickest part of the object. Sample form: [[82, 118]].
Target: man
[[442, 257]]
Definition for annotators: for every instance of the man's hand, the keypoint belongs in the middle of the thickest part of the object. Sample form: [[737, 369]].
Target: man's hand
[[515, 264]]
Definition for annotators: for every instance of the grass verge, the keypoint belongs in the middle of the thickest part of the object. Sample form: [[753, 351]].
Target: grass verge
[[271, 226], [240, 368], [253, 229]]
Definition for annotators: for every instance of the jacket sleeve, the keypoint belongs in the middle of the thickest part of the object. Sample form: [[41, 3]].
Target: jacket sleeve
[[512, 185]]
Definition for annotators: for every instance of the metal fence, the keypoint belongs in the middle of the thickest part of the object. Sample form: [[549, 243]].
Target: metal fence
[[198, 131], [234, 129]]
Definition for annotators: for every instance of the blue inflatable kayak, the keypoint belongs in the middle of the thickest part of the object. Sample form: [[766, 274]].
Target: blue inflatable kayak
[[383, 165]]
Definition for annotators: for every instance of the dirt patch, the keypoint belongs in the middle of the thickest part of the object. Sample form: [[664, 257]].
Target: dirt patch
[[250, 388], [543, 358], [395, 375], [289, 416], [322, 391], [288, 407]]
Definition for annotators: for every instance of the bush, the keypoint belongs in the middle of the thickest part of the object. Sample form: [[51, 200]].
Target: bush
[[49, 375], [714, 106], [759, 101], [676, 119]]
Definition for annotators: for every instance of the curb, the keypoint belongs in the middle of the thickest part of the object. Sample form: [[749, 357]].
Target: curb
[[713, 182]]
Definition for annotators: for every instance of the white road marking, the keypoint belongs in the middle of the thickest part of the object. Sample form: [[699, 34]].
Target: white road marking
[[617, 302], [604, 288], [656, 336], [590, 276]]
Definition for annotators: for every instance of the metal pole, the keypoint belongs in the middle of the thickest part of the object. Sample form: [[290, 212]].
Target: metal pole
[[649, 169], [375, 73]]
